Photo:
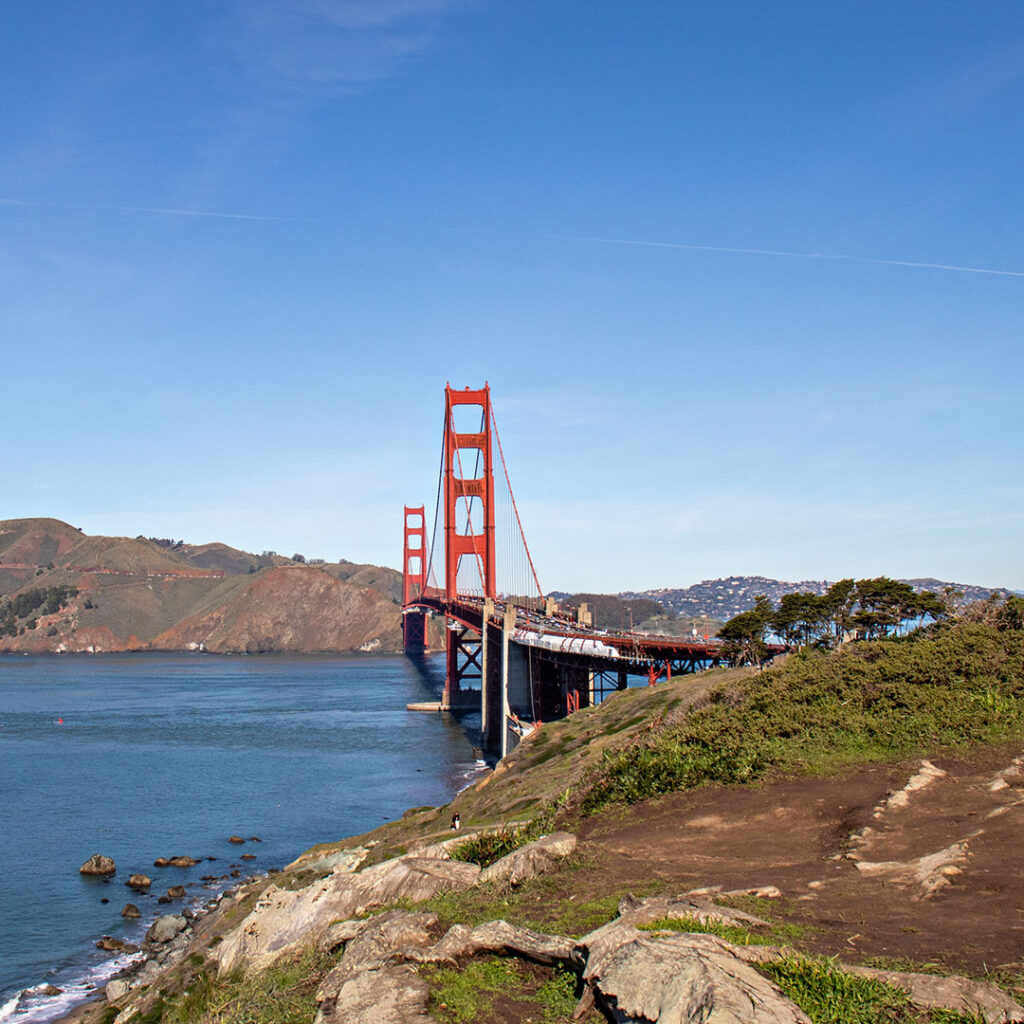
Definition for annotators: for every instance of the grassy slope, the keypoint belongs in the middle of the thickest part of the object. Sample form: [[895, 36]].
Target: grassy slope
[[815, 713]]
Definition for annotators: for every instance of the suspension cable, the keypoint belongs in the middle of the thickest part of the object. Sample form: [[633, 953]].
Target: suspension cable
[[515, 508]]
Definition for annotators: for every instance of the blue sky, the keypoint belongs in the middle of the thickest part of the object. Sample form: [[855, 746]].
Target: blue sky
[[244, 245]]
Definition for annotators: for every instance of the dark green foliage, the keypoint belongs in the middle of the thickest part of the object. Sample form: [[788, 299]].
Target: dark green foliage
[[744, 633], [44, 601], [488, 847], [872, 609], [824, 711]]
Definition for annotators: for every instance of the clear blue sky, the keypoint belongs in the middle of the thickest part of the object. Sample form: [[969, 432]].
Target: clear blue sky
[[244, 244]]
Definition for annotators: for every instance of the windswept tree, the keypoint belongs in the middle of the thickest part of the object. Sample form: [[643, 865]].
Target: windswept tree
[[744, 634], [883, 605]]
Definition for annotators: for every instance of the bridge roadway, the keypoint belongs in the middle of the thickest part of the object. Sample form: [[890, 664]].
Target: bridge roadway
[[613, 650], [536, 667]]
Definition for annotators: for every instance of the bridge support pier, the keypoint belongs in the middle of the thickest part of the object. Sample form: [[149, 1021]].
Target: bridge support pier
[[464, 650]]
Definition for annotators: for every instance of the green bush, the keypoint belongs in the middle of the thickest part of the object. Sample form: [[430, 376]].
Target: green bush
[[488, 847], [825, 711]]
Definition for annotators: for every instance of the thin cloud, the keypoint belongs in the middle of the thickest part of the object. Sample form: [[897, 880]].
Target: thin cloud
[[168, 211], [834, 257], [342, 44]]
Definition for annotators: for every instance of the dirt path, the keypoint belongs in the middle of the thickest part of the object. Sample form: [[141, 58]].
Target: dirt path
[[935, 874]]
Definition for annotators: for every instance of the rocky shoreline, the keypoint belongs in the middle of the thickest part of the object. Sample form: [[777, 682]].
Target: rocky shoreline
[[638, 966]]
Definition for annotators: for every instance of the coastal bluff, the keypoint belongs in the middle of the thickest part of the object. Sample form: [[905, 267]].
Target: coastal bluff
[[62, 591], [589, 883]]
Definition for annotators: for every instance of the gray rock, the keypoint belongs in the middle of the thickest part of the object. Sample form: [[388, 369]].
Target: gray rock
[[375, 943], [116, 990], [165, 928], [963, 995], [392, 995], [687, 977], [285, 919], [459, 943], [530, 860], [635, 911], [97, 864]]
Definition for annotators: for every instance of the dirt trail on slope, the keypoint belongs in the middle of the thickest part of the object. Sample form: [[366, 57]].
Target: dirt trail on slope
[[934, 873]]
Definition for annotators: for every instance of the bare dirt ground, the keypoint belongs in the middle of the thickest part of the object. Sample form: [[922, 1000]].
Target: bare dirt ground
[[935, 875]]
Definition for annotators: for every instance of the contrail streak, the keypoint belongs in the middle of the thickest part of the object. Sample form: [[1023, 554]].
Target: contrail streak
[[169, 211], [791, 255]]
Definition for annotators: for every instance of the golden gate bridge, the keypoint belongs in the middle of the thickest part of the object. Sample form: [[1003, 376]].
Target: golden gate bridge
[[511, 653]]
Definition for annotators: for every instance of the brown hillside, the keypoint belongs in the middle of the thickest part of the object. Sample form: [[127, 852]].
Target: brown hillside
[[124, 553], [333, 616], [136, 594], [34, 542], [387, 581], [221, 556]]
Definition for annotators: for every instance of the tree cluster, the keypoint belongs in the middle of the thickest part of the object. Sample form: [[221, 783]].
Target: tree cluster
[[44, 601], [857, 609], [164, 542]]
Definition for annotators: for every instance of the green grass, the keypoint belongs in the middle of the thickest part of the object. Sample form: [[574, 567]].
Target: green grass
[[829, 996], [489, 847], [730, 932], [468, 996], [282, 994], [824, 712]]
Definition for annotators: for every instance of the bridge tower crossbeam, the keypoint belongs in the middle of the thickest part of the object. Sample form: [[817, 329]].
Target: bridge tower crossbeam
[[414, 575]]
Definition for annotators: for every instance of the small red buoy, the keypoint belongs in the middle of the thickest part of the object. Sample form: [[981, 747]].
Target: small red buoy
[[60, 721]]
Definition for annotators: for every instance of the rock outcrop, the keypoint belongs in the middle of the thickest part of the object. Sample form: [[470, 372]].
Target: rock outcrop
[[685, 977], [285, 919], [98, 865], [530, 860]]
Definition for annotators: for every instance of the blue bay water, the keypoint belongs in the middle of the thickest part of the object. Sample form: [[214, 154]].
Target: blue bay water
[[158, 755]]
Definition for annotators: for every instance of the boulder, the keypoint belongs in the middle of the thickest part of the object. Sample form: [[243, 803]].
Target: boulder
[[139, 881], [248, 856], [460, 942], [165, 928], [285, 919], [374, 943], [176, 892], [962, 995], [530, 860], [339, 862], [182, 862], [235, 839], [51, 990], [115, 990], [97, 864], [391, 995], [635, 911], [687, 977], [112, 945], [130, 910], [161, 862]]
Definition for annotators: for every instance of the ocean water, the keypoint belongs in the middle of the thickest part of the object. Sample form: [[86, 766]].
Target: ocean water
[[145, 756]]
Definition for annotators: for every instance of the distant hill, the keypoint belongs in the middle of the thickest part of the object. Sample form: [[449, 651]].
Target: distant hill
[[724, 598], [122, 594]]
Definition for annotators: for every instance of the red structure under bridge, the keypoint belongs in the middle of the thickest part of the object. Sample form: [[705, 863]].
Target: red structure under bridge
[[511, 653]]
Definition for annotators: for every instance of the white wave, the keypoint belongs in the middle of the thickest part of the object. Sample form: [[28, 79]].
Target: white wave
[[38, 1008]]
